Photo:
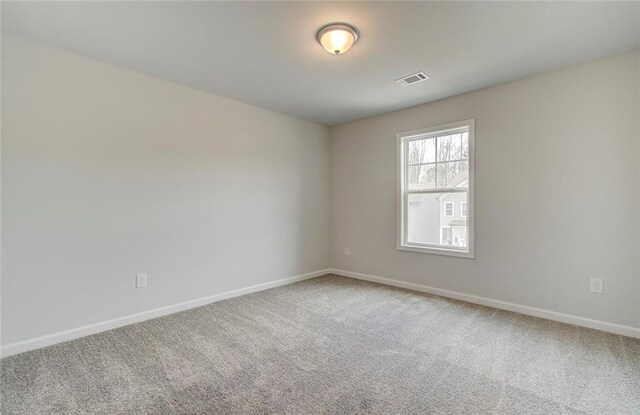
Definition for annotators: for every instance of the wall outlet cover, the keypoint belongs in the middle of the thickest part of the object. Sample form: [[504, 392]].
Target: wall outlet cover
[[141, 280], [597, 285]]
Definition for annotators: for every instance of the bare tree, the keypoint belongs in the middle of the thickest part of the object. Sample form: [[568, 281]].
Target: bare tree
[[451, 150], [450, 155], [417, 153]]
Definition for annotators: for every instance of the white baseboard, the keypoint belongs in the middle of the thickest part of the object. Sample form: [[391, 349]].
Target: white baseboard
[[62, 336], [51, 339], [503, 305]]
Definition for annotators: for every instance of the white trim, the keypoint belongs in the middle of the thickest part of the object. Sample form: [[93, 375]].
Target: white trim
[[503, 305], [402, 195], [59, 337], [75, 333], [436, 249]]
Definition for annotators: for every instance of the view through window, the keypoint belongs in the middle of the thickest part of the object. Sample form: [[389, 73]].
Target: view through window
[[435, 189]]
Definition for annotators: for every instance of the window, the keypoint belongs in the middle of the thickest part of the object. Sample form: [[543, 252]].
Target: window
[[436, 174], [448, 209]]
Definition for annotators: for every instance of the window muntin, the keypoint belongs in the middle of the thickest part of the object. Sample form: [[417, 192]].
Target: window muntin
[[435, 190]]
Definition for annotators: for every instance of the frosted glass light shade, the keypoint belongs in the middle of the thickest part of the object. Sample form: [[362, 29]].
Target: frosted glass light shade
[[337, 38]]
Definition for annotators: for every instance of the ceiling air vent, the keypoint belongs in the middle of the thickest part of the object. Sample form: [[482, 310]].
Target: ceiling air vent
[[412, 79]]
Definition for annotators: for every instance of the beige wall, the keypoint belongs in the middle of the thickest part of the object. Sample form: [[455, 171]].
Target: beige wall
[[107, 173], [557, 192]]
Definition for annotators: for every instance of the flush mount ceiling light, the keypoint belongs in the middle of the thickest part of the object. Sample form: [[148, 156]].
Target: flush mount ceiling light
[[337, 38]]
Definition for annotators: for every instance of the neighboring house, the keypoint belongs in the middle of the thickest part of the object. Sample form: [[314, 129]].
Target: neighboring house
[[453, 219], [439, 218]]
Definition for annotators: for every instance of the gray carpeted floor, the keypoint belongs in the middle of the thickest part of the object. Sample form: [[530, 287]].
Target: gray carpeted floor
[[331, 345]]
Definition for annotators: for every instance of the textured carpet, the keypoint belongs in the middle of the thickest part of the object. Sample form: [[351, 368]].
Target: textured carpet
[[331, 345]]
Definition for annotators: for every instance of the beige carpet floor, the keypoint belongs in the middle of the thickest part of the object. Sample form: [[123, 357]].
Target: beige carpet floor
[[331, 345]]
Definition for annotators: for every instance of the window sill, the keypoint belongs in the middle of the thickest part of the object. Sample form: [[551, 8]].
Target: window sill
[[437, 251]]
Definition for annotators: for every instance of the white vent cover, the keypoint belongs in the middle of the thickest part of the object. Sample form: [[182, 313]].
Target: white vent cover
[[412, 79]]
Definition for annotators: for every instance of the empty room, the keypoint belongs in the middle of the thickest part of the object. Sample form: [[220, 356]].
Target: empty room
[[320, 207]]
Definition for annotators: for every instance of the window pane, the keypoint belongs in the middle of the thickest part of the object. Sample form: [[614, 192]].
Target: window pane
[[423, 215], [453, 174], [428, 223], [465, 145], [422, 177], [422, 151], [453, 147]]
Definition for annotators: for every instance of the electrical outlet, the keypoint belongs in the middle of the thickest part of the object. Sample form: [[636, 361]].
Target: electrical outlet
[[141, 280], [597, 285], [346, 251]]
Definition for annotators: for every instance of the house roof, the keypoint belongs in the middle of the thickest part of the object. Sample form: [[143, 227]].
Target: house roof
[[458, 222], [460, 180]]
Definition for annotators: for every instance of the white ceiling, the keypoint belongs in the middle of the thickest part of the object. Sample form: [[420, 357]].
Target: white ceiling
[[265, 53]]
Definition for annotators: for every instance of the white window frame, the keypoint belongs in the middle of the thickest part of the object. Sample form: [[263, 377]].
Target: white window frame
[[402, 194], [453, 209], [466, 207]]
